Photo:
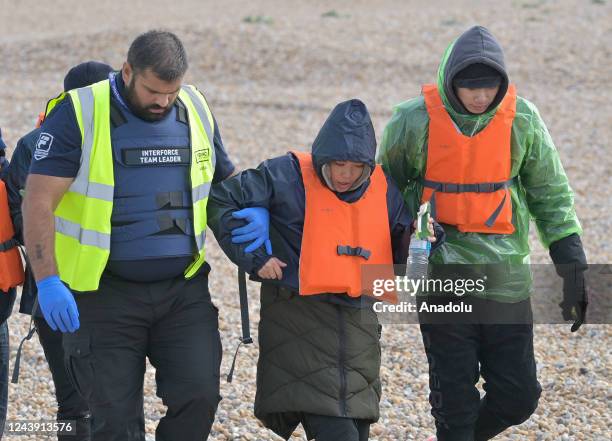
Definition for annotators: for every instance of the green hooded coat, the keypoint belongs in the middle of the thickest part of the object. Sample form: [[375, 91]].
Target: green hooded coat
[[542, 191]]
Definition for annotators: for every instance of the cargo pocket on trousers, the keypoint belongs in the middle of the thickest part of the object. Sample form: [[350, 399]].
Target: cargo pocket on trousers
[[79, 364]]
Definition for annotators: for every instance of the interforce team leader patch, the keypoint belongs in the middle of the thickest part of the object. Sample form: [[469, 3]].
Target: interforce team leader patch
[[143, 156]]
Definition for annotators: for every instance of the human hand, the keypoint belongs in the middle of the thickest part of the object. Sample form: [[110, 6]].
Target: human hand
[[257, 228], [430, 228], [57, 304], [575, 299], [272, 269]]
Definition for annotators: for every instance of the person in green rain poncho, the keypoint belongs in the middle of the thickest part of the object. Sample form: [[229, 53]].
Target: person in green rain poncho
[[488, 159]]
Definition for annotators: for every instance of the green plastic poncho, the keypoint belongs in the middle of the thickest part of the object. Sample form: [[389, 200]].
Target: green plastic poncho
[[542, 193]]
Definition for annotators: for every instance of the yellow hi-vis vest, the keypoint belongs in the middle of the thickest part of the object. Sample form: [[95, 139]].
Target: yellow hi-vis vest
[[83, 216]]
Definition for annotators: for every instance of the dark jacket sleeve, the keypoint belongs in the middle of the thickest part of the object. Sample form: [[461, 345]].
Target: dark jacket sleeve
[[250, 188], [400, 223], [548, 194], [4, 163], [224, 166], [571, 263], [15, 180], [568, 255]]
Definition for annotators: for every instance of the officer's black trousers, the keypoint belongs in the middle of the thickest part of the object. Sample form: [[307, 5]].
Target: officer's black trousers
[[175, 325], [328, 428], [458, 354], [70, 405]]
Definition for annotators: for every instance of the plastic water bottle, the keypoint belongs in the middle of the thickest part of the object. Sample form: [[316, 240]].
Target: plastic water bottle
[[418, 251], [418, 258]]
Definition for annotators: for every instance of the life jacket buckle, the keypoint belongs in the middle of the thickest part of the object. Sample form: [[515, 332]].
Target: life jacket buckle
[[355, 252]]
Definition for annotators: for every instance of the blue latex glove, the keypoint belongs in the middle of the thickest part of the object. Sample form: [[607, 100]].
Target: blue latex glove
[[257, 229], [57, 304]]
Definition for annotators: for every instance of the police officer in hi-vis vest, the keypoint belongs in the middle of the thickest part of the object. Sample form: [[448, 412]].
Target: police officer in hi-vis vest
[[115, 226]]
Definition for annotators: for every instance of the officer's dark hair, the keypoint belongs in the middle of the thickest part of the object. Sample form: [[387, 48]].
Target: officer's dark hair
[[160, 51]]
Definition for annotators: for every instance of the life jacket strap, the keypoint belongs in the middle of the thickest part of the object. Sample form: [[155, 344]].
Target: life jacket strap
[[484, 187], [353, 251], [491, 220], [8, 245]]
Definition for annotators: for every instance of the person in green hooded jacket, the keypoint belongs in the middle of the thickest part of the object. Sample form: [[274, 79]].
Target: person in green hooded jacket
[[471, 103]]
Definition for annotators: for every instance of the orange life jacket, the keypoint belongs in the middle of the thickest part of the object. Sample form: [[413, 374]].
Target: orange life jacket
[[469, 176], [11, 268], [339, 237], [40, 119]]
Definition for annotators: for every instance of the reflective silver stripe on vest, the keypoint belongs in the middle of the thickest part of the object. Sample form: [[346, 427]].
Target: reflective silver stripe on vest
[[204, 117], [81, 183], [98, 191], [85, 237], [200, 192], [200, 240]]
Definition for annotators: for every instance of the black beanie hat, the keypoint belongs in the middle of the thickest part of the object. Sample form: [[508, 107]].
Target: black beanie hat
[[86, 74], [477, 75]]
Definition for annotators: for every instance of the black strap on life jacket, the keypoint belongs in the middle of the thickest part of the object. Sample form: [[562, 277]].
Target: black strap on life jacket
[[8, 245], [484, 187], [244, 318], [347, 250]]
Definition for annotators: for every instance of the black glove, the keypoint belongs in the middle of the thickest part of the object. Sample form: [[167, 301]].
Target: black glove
[[570, 264], [575, 299], [440, 237]]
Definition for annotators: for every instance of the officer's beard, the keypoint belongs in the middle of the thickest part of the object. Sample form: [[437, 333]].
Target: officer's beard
[[144, 112]]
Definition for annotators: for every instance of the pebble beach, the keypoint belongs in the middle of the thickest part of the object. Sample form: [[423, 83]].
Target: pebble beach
[[272, 71]]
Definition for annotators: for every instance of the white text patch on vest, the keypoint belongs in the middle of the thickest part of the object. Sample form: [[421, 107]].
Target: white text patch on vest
[[156, 156]]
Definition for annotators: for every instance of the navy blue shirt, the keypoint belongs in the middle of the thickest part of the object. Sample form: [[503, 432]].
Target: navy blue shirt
[[60, 153]]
